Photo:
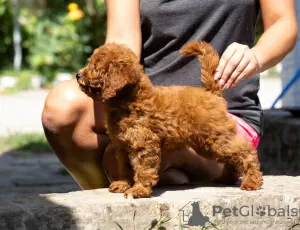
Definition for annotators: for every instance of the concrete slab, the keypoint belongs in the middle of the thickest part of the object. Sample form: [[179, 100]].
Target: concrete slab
[[276, 206]]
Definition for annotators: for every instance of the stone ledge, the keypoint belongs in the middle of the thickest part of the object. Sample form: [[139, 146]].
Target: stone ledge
[[169, 208]]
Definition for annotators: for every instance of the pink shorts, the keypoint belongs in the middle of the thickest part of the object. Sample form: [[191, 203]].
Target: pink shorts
[[246, 131]]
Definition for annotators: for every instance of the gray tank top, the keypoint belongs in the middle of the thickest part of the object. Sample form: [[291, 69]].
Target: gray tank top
[[169, 24]]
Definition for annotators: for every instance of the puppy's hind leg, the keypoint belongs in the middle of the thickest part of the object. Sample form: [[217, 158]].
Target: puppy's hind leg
[[252, 177], [241, 159], [125, 173]]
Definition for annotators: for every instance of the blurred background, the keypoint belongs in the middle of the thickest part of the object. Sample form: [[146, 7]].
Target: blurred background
[[43, 42]]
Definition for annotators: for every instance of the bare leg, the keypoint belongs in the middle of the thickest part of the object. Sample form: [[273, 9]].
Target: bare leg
[[125, 173], [230, 175], [76, 133], [197, 167]]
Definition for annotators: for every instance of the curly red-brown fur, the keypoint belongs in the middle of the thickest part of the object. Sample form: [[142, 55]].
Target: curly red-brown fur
[[144, 121]]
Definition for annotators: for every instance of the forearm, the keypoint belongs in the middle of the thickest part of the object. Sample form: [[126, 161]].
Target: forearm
[[123, 23], [280, 32], [275, 43]]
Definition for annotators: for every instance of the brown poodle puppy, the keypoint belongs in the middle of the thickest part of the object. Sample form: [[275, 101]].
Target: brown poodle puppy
[[144, 121]]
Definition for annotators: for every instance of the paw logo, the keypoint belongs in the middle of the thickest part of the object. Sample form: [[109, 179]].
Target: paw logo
[[261, 211]]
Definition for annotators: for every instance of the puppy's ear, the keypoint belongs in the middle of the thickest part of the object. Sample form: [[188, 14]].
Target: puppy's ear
[[119, 75]]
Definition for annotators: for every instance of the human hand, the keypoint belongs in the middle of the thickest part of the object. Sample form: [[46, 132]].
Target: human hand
[[237, 63]]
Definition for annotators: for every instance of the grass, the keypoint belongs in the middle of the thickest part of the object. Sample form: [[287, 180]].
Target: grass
[[29, 142]]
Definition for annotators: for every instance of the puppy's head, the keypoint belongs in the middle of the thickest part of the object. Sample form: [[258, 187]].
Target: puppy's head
[[111, 67]]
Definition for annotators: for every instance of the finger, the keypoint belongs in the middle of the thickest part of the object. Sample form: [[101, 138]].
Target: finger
[[231, 66], [248, 71], [229, 52], [238, 71]]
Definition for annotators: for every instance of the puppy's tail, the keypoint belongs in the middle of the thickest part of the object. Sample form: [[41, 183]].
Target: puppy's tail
[[209, 60]]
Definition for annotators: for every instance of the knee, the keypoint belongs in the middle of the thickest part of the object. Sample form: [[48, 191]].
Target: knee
[[63, 107]]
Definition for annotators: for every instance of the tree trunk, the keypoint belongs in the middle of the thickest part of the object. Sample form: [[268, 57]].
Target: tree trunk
[[90, 7], [17, 39]]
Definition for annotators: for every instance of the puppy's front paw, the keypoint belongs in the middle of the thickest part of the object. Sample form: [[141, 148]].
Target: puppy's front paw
[[138, 191], [119, 186]]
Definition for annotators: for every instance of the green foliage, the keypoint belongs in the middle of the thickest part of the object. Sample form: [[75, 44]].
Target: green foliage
[[33, 142], [6, 49], [58, 47], [52, 42]]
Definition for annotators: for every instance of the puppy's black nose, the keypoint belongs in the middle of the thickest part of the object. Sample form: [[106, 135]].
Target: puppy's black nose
[[78, 76]]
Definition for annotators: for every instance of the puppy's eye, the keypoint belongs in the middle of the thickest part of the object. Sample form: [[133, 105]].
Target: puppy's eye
[[78, 76]]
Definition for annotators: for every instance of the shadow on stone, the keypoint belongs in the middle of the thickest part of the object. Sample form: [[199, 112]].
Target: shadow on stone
[[25, 175], [36, 212]]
